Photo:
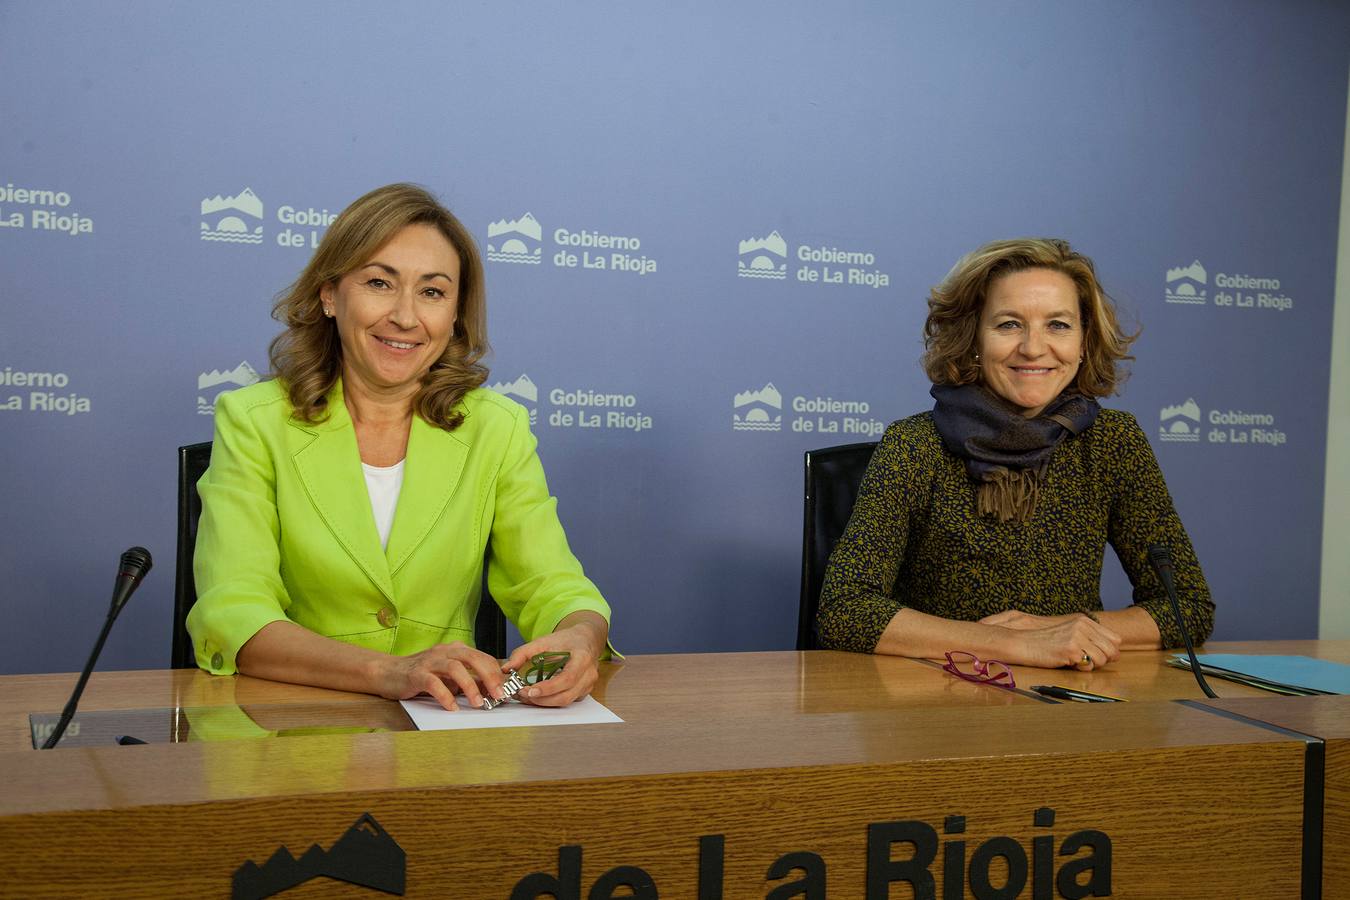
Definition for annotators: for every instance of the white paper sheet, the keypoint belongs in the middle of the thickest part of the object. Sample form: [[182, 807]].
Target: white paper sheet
[[428, 715]]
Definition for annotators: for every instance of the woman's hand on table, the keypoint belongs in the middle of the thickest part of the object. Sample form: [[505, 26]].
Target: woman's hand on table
[[442, 671], [1057, 641], [582, 635]]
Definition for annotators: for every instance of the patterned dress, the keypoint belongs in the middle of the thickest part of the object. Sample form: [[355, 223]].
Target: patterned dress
[[915, 539]]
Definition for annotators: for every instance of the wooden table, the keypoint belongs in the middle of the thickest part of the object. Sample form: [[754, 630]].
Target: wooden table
[[733, 775]]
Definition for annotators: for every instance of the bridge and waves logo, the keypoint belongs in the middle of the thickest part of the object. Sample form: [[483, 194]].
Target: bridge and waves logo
[[760, 410], [764, 257], [1188, 284], [1180, 423], [236, 220], [241, 375], [515, 241], [524, 391]]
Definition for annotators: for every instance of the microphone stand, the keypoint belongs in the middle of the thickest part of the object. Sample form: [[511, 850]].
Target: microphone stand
[[135, 563], [1161, 560]]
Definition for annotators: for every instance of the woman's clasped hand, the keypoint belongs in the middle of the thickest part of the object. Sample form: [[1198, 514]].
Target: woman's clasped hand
[[1057, 641]]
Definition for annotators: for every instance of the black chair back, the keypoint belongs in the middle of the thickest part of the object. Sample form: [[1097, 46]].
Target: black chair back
[[489, 628], [832, 478], [192, 462]]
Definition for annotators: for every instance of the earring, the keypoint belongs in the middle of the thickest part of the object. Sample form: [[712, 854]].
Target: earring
[[328, 312]]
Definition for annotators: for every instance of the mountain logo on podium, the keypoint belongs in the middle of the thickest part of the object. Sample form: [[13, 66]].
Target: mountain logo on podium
[[366, 856]]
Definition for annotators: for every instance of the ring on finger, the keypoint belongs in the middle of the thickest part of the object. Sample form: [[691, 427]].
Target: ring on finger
[[1086, 660]]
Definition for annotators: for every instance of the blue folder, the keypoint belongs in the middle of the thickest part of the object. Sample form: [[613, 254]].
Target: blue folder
[[1300, 672]]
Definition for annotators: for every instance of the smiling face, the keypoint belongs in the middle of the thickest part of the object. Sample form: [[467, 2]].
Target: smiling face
[[1030, 337], [395, 314]]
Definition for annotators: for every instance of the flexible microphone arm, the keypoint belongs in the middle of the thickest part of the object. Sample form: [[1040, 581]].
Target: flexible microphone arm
[[134, 564], [1161, 560]]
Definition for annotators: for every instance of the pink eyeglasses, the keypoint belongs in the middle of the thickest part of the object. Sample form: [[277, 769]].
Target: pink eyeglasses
[[970, 667]]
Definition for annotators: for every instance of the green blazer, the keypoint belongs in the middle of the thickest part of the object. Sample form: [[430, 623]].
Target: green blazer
[[287, 531]]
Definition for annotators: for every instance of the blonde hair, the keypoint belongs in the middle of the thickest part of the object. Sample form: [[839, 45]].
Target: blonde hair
[[955, 306], [307, 355]]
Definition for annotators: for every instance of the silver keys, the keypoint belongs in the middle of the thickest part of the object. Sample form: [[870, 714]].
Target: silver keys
[[512, 686]]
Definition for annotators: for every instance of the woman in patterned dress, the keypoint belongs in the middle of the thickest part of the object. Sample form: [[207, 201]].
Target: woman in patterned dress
[[982, 525]]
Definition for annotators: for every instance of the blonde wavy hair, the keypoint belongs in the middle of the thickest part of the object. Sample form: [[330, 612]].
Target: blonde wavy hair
[[307, 355], [950, 334]]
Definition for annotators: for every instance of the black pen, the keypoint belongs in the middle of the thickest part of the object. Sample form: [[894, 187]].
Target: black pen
[[1063, 693]]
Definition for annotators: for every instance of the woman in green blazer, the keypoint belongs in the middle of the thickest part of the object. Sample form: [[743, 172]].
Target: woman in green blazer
[[351, 501]]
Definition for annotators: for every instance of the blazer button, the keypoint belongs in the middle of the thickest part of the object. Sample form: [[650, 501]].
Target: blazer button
[[387, 617], [217, 661]]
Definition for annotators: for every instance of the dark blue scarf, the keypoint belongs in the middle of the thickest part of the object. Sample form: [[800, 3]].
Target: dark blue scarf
[[1005, 452]]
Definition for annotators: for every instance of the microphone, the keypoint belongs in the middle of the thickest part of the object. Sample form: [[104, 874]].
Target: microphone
[[134, 564], [1161, 559]]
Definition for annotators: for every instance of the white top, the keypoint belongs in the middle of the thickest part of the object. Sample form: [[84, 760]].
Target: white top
[[384, 484]]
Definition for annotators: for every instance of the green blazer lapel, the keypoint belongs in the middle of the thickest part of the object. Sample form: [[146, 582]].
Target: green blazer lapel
[[328, 463], [431, 472]]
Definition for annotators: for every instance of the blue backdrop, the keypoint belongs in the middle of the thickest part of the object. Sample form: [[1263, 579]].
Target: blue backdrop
[[711, 229]]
